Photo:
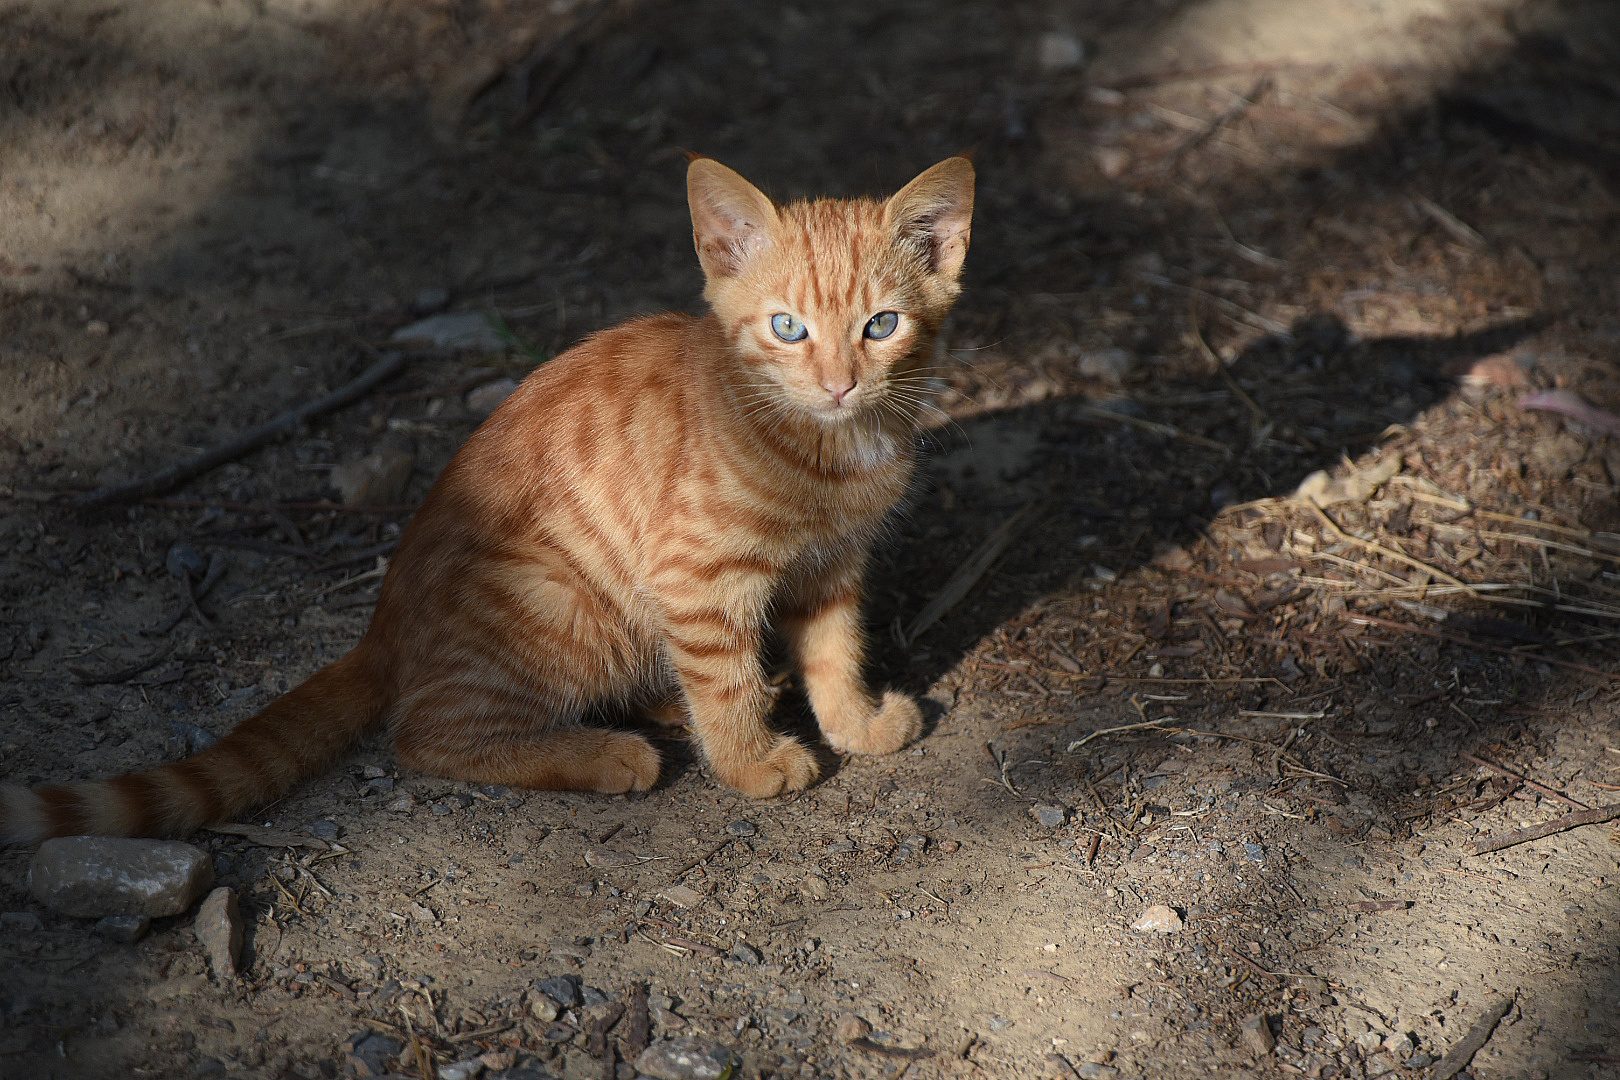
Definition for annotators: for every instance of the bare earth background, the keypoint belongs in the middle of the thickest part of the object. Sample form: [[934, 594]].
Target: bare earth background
[[1221, 245]]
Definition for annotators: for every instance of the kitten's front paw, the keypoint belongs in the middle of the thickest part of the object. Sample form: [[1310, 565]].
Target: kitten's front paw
[[789, 766], [896, 721], [628, 763]]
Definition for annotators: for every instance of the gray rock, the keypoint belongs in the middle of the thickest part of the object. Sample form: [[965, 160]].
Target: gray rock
[[323, 830], [1255, 852], [368, 1050], [742, 828], [183, 561], [543, 1007], [745, 953], [563, 989], [92, 876], [590, 997], [485, 399], [429, 300], [1049, 815], [20, 921], [461, 1070], [1092, 1070], [219, 927], [469, 331], [1255, 1035], [123, 929], [687, 1059], [186, 738]]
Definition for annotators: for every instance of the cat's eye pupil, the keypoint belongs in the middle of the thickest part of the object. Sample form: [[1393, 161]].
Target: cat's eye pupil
[[788, 328], [882, 325]]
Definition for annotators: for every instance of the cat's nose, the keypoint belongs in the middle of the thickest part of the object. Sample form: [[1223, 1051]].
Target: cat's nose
[[838, 388]]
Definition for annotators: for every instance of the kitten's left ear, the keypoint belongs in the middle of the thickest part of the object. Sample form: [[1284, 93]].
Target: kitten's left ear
[[936, 211], [732, 220]]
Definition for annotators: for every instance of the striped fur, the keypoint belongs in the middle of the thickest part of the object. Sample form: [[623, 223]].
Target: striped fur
[[624, 529]]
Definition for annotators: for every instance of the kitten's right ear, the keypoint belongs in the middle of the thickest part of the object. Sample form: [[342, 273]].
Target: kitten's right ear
[[732, 220], [935, 213]]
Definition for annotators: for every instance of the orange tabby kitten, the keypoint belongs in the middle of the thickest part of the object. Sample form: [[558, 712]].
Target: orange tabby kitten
[[622, 530]]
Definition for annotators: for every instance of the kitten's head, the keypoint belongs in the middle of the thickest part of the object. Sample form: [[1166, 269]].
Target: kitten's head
[[834, 304]]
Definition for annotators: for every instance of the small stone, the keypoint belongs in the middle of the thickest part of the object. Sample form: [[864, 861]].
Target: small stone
[[487, 398], [815, 887], [1111, 364], [1255, 852], [542, 1007], [1255, 1035], [590, 997], [368, 1050], [323, 830], [123, 929], [498, 1059], [22, 921], [683, 896], [461, 1070], [464, 331], [97, 328], [379, 478], [1049, 815], [1400, 1047], [563, 989], [1057, 52], [429, 301], [951, 847], [742, 828], [607, 859], [186, 738], [184, 561], [380, 785], [1370, 1041], [1158, 918], [668, 1019], [373, 772], [1419, 1061], [851, 1027], [92, 876], [687, 1059], [1094, 1070], [403, 804], [745, 953], [1112, 161], [219, 927]]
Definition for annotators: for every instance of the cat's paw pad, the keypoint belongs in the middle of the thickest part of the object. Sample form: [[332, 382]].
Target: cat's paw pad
[[789, 766], [895, 722], [628, 763]]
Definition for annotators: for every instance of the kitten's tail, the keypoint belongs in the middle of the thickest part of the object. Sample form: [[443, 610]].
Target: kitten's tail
[[295, 736]]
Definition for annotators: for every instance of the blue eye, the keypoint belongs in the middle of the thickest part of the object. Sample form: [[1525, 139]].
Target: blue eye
[[788, 328], [882, 325]]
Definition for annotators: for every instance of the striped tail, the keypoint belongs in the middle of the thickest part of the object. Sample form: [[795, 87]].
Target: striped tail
[[294, 737]]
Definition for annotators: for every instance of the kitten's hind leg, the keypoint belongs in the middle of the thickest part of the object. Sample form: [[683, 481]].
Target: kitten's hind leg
[[485, 751], [825, 635]]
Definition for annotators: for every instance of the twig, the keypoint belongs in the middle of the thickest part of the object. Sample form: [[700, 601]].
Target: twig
[[913, 1054], [701, 859], [90, 678], [640, 1032], [1061, 1064], [1525, 780], [1168, 431], [960, 583], [1389, 553], [1458, 1057], [1391, 624], [1231, 114], [174, 475], [1595, 816], [1100, 732]]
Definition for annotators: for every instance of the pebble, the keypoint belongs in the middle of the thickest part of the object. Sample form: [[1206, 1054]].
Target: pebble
[[1057, 51], [742, 828], [487, 398], [543, 1007], [466, 331], [1159, 918], [563, 989], [123, 929], [1094, 1070], [219, 927], [1255, 852], [851, 1027], [367, 1050], [183, 561], [429, 301], [745, 953], [92, 876], [591, 997], [461, 1070], [687, 1059], [24, 921], [815, 887], [668, 1019], [608, 859], [1255, 1035], [1050, 815], [323, 830], [186, 738], [682, 896]]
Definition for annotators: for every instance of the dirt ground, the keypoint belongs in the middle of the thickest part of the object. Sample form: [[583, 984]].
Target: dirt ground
[[1221, 245]]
